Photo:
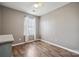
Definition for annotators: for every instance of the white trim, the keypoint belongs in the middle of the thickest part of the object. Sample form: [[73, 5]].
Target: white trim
[[77, 52], [24, 42], [18, 44]]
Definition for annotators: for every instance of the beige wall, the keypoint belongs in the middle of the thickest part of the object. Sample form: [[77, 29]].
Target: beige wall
[[12, 22], [0, 18], [61, 26], [37, 27]]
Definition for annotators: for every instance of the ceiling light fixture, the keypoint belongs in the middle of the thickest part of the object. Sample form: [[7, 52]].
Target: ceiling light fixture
[[37, 5]]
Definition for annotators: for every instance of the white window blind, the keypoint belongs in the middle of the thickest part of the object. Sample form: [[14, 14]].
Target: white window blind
[[29, 25]]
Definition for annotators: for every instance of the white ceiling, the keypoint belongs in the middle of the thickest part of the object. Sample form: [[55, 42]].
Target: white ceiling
[[28, 7]]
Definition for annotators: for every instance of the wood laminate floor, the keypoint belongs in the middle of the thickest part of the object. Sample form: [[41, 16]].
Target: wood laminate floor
[[40, 49]]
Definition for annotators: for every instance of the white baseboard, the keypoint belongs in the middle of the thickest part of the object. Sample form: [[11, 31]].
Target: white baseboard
[[24, 42], [77, 52]]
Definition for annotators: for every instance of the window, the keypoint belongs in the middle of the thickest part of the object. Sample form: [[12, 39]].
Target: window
[[29, 26]]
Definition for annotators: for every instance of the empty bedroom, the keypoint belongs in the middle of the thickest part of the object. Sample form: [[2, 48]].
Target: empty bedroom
[[39, 29]]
